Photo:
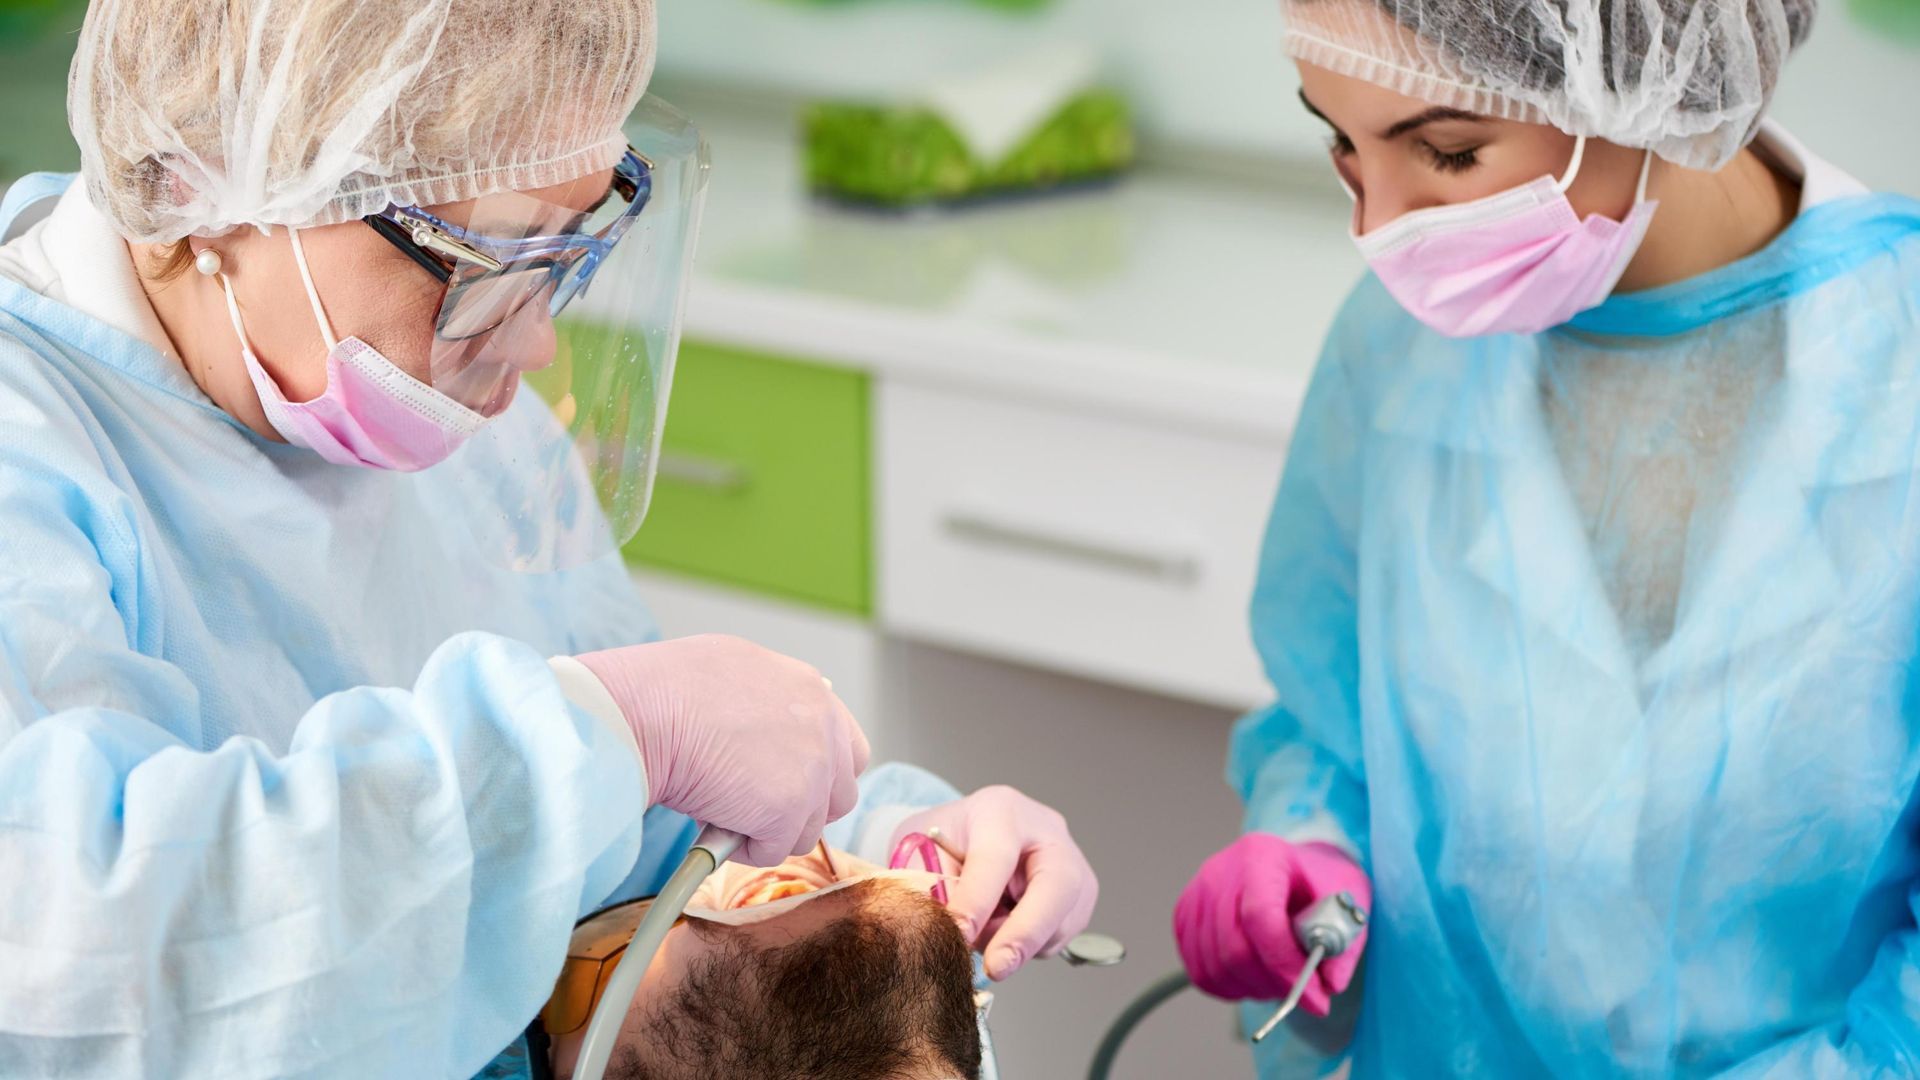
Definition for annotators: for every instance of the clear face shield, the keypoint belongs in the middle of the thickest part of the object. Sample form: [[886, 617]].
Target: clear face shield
[[579, 303]]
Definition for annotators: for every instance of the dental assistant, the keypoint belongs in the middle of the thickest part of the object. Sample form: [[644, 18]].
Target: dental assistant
[[326, 396], [1592, 588]]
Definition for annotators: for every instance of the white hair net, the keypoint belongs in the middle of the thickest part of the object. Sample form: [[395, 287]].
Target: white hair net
[[198, 116], [1689, 79]]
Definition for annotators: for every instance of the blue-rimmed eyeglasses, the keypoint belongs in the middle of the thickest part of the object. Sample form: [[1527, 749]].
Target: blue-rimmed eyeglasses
[[490, 278]]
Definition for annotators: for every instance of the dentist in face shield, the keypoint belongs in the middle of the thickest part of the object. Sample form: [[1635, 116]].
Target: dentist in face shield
[[326, 396], [1591, 589]]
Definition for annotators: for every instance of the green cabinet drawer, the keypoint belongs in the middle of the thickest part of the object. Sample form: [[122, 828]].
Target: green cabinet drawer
[[764, 478]]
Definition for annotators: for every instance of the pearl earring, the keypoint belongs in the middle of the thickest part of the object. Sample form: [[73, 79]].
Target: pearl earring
[[207, 262]]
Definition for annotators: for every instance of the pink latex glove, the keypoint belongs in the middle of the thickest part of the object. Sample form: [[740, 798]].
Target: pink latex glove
[[740, 737], [1234, 922], [1025, 889]]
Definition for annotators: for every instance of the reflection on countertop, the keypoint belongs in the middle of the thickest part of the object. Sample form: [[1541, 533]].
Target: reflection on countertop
[[1198, 297]]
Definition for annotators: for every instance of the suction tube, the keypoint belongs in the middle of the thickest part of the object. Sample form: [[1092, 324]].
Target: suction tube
[[709, 851]]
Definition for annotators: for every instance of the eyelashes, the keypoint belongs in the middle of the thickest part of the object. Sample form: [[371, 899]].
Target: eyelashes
[[1458, 161]]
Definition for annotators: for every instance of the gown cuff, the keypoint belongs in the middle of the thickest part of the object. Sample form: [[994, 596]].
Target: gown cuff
[[874, 840], [1322, 828], [588, 694]]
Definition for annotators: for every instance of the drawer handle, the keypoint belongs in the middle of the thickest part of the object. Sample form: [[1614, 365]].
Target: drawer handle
[[1160, 566], [695, 470]]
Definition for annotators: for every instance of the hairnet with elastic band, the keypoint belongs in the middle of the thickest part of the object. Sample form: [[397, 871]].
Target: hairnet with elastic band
[[1689, 79], [195, 117]]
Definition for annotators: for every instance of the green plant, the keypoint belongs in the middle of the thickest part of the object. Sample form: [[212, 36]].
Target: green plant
[[907, 155]]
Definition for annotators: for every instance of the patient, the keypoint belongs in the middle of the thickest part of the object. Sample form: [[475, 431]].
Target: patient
[[813, 979]]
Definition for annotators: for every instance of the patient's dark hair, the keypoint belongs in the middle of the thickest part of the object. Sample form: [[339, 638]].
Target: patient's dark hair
[[882, 993]]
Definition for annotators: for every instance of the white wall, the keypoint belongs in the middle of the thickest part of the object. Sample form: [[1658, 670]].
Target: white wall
[[1211, 71], [1141, 779]]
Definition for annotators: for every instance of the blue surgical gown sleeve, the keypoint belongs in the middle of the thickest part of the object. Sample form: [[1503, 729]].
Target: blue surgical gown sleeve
[[1879, 1035], [391, 895], [889, 794], [1297, 764]]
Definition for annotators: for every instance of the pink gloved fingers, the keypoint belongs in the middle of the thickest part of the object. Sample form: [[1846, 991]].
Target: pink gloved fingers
[[1058, 879], [1238, 963], [1185, 919], [1331, 871], [1234, 922], [1076, 922], [1272, 893], [862, 749], [848, 739], [809, 837], [1190, 932], [770, 845], [999, 919], [739, 737], [1213, 945], [1024, 881], [991, 861]]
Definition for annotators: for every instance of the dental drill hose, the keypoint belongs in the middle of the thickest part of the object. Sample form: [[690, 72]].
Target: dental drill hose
[[1326, 929], [1137, 1009], [712, 848]]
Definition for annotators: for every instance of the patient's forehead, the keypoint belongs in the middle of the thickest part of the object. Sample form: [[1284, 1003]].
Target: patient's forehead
[[879, 898]]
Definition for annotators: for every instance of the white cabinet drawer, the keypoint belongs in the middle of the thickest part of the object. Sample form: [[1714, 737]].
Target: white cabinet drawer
[[1108, 548]]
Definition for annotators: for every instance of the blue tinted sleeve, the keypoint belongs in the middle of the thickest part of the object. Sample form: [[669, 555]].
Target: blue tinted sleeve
[[1297, 764], [889, 794], [395, 891]]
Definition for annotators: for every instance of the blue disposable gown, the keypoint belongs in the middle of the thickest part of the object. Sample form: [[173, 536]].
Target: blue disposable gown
[[287, 787], [1597, 648]]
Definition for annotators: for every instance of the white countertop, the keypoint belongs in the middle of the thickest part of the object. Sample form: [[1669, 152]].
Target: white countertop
[[1170, 297]]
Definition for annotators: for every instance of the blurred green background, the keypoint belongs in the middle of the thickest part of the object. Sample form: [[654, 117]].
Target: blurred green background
[[1197, 75], [36, 45]]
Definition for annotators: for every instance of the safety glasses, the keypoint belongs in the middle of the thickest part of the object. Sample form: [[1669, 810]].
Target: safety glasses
[[578, 307], [490, 278]]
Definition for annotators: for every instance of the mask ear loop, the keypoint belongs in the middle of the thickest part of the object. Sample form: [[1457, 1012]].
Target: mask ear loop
[[1573, 167], [313, 294], [1580, 153], [233, 313]]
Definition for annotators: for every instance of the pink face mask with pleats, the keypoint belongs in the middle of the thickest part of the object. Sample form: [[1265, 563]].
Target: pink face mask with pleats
[[1517, 262], [372, 414]]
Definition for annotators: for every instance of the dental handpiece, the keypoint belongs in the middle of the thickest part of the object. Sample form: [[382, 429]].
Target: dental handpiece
[[1328, 928]]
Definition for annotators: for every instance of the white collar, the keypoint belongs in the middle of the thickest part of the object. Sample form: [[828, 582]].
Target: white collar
[[1820, 180], [75, 257]]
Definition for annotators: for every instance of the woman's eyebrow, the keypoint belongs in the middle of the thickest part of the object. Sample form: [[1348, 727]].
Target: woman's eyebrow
[[1431, 116], [1316, 112]]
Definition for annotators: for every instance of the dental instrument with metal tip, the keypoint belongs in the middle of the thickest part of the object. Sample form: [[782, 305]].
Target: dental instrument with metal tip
[[1093, 949], [1328, 928]]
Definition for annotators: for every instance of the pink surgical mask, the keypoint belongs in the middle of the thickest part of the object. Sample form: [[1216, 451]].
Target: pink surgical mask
[[1517, 262], [372, 414]]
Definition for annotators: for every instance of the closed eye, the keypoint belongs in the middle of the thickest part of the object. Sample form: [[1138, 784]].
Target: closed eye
[[1450, 161]]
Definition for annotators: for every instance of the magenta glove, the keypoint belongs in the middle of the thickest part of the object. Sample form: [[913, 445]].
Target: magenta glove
[[737, 736], [1025, 889], [1234, 922]]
